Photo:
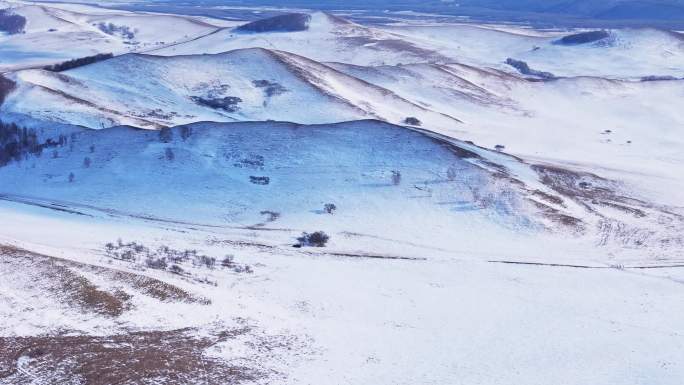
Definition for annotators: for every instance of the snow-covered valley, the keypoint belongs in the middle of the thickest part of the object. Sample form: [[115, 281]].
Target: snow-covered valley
[[308, 200]]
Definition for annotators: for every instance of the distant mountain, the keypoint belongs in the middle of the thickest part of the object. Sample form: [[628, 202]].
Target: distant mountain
[[557, 12], [644, 10]]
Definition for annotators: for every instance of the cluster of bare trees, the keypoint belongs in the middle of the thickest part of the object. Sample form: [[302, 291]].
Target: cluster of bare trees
[[11, 22], [17, 143], [166, 258], [113, 29]]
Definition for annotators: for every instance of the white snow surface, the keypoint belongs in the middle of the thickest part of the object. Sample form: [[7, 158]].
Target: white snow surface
[[555, 260]]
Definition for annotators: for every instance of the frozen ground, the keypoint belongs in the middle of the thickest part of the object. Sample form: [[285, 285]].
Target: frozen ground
[[488, 227]]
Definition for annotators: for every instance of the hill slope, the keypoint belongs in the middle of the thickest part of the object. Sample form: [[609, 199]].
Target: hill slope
[[388, 182], [251, 84], [54, 34]]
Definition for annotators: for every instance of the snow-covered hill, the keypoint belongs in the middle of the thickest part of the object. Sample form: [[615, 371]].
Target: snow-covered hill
[[419, 220], [623, 54], [388, 182], [242, 85], [307, 200], [54, 34], [628, 129]]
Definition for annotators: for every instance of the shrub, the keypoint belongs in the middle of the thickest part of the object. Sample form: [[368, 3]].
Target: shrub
[[317, 239], [396, 178], [452, 173], [270, 88], [156, 263], [203, 260], [329, 208], [165, 135], [271, 216], [412, 121], [112, 29], [185, 132], [228, 261], [260, 180], [228, 103], [166, 258], [525, 69], [168, 154]]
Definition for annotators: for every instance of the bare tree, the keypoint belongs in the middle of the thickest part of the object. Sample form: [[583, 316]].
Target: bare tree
[[396, 178], [169, 155], [165, 135], [329, 208]]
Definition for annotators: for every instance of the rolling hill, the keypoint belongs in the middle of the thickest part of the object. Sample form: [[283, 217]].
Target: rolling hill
[[241, 85]]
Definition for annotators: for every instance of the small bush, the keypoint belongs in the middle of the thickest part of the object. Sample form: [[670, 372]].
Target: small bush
[[203, 260], [452, 173], [166, 258], [165, 135], [317, 239], [156, 263], [228, 103], [412, 121], [396, 178], [260, 180], [112, 29], [175, 269], [185, 133], [228, 261], [168, 154], [271, 216], [329, 208]]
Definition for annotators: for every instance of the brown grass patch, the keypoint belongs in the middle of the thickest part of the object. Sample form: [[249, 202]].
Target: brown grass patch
[[157, 357]]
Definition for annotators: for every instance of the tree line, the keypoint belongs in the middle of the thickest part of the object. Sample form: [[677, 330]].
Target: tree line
[[75, 63]]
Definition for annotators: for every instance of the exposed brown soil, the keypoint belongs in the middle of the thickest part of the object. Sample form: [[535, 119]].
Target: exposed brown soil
[[127, 356], [157, 357], [64, 284], [654, 227], [64, 280]]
